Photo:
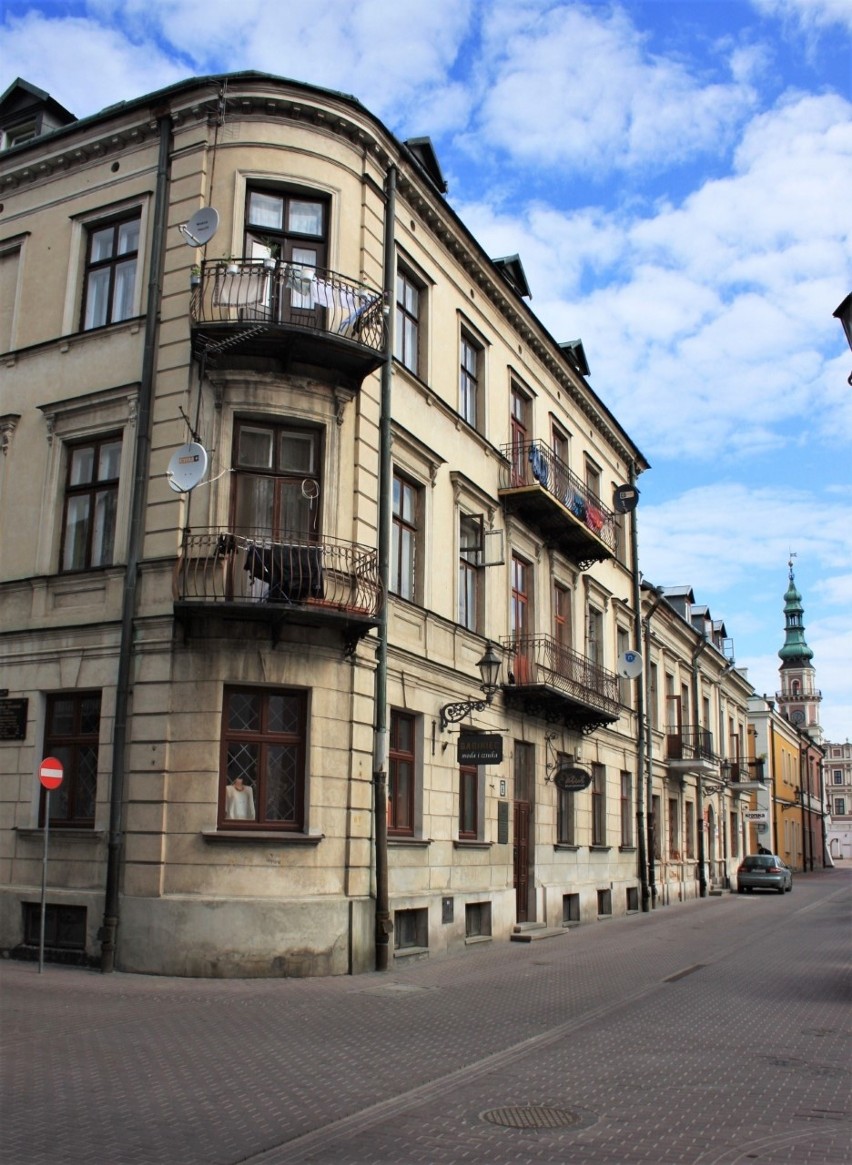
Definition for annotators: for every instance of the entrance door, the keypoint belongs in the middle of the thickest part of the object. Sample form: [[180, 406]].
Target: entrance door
[[522, 860]]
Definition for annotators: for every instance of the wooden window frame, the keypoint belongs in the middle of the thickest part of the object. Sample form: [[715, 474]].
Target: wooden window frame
[[70, 806], [92, 489], [110, 265], [402, 776], [265, 738]]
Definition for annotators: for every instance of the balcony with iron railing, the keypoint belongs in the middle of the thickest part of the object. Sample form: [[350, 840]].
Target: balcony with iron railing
[[689, 750], [557, 684], [738, 770], [247, 575], [540, 488], [305, 317]]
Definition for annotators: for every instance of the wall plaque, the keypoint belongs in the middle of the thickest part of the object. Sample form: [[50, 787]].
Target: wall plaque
[[13, 718]]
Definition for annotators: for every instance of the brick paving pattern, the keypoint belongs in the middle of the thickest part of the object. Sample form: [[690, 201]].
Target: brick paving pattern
[[707, 1033]]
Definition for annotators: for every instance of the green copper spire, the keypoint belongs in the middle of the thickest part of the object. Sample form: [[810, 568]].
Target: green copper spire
[[795, 651]]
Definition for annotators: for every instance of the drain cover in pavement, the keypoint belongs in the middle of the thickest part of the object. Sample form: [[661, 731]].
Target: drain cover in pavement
[[532, 1116]]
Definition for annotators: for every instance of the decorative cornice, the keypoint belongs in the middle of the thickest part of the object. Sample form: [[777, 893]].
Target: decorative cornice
[[8, 424]]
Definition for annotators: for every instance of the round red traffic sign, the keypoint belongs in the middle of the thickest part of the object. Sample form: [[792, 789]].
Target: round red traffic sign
[[50, 772]]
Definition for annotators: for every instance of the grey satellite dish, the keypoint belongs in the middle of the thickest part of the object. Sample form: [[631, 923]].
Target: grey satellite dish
[[630, 665], [625, 498], [187, 467], [201, 227]]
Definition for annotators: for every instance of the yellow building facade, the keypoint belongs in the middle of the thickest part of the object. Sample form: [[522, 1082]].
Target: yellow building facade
[[280, 478]]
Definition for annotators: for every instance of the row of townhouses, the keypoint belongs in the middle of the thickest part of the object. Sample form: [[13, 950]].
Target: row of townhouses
[[320, 573]]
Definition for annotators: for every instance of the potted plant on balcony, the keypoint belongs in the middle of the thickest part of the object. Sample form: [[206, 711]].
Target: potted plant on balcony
[[194, 275]]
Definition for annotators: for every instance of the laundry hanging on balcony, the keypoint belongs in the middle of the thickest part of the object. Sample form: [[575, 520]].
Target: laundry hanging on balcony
[[292, 573]]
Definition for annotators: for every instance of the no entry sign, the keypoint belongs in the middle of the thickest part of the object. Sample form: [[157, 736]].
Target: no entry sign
[[50, 772]]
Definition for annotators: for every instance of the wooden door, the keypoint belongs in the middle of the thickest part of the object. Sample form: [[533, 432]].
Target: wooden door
[[521, 854]]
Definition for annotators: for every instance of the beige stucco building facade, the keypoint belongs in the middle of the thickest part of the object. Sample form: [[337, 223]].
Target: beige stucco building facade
[[251, 556]]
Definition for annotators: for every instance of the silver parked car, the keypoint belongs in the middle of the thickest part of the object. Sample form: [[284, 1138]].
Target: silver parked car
[[764, 872]]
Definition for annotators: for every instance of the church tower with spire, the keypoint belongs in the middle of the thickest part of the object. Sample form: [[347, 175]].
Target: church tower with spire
[[798, 699]]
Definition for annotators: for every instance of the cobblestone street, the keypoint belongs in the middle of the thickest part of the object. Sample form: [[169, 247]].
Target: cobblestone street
[[706, 1033]]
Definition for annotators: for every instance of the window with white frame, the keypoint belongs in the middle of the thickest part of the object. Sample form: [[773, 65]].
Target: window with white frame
[[409, 329], [405, 534], [470, 572], [470, 379]]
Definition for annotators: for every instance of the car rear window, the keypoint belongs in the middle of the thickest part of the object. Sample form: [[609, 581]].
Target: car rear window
[[759, 862]]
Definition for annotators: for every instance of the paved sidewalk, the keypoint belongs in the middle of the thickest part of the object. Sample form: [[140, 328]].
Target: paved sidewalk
[[706, 1033]]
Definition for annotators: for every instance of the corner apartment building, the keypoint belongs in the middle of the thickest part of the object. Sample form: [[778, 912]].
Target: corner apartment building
[[275, 481]]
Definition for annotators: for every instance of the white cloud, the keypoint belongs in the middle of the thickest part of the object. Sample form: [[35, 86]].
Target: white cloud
[[105, 66], [809, 15], [575, 87]]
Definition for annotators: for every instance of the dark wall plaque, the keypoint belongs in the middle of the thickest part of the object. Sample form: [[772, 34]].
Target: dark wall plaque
[[480, 749], [502, 822], [13, 718]]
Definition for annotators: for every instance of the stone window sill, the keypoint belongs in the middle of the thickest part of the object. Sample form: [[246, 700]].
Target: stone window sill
[[262, 835]]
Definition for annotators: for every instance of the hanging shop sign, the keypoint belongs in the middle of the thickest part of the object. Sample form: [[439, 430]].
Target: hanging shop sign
[[481, 748], [571, 779]]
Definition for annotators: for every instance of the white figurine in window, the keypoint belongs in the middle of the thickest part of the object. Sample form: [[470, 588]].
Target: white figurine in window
[[239, 801]]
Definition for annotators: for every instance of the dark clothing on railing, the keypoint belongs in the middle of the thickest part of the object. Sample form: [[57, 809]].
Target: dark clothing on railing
[[294, 573]]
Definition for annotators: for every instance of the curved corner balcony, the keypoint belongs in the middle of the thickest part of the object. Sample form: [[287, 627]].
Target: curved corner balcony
[[307, 318], [546, 495], [248, 576], [559, 685]]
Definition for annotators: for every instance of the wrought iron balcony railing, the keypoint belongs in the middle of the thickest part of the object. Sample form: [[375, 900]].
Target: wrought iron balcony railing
[[271, 292], [565, 683], [533, 464], [249, 568], [690, 743], [737, 769]]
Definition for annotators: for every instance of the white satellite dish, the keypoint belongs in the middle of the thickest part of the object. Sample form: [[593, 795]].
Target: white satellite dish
[[630, 665], [201, 227], [187, 467]]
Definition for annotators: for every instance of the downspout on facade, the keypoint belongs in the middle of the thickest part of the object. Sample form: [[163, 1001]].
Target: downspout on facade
[[109, 930], [384, 924]]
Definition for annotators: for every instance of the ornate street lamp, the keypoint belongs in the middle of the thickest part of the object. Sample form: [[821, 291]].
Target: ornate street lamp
[[489, 670], [844, 314]]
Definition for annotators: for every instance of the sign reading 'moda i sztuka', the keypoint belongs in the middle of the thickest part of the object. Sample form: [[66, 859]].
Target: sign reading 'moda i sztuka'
[[480, 748]]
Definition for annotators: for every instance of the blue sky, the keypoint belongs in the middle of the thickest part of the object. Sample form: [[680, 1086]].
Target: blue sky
[[677, 179]]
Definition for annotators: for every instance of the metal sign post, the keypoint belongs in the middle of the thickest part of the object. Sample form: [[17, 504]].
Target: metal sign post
[[50, 773]]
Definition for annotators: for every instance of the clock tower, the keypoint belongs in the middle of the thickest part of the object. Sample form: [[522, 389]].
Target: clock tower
[[798, 699]]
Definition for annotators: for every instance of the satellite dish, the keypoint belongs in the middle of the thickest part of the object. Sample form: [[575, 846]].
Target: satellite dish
[[625, 498], [201, 227], [187, 467], [630, 665]]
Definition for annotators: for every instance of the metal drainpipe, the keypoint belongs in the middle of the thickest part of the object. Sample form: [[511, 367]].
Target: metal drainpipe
[[702, 873], [649, 761], [642, 726], [384, 925], [109, 929]]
